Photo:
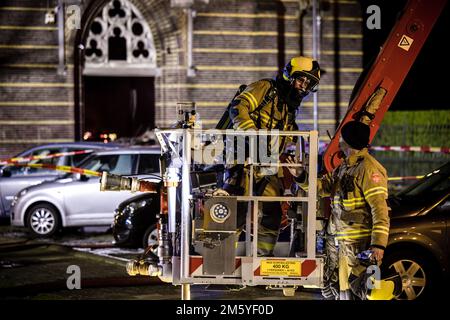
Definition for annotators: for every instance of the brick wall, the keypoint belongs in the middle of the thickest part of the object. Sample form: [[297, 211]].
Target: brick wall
[[34, 101], [241, 41], [234, 42]]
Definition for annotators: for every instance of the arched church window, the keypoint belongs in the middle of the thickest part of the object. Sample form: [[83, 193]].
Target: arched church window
[[119, 42]]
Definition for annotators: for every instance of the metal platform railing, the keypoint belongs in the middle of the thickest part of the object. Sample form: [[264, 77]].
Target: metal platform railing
[[209, 147]]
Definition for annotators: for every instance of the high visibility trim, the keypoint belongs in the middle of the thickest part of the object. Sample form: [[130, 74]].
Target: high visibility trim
[[353, 237], [354, 231], [266, 118], [350, 205], [353, 203], [264, 121], [246, 125], [374, 189], [380, 231], [251, 99], [349, 202], [375, 193], [352, 200], [265, 245], [255, 102], [243, 95], [381, 227]]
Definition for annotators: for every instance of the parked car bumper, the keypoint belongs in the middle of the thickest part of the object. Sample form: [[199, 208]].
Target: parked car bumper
[[132, 218]]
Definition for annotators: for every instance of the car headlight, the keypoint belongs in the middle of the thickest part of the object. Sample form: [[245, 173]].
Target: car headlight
[[141, 204], [133, 206], [129, 209]]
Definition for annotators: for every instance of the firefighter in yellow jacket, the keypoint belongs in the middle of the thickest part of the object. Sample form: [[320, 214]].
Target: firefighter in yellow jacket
[[269, 104], [359, 219]]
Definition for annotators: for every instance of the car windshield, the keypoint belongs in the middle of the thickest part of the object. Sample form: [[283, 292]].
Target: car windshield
[[120, 164], [24, 170], [434, 184]]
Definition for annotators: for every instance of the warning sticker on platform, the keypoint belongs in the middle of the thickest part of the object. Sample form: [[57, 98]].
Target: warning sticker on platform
[[280, 268], [405, 42]]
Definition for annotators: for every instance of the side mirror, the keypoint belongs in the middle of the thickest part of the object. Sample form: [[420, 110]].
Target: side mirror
[[5, 173]]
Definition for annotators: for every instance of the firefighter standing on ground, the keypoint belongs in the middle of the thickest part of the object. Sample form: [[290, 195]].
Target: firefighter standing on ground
[[269, 105], [359, 219]]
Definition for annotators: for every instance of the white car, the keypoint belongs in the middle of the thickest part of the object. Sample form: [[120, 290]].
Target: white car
[[15, 178], [76, 200]]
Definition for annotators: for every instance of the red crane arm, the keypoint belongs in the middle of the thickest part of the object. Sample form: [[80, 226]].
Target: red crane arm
[[386, 75]]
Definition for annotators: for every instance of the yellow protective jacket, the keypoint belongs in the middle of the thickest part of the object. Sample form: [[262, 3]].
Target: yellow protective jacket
[[358, 191], [245, 115]]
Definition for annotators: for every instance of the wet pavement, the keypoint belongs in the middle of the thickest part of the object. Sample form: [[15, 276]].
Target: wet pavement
[[38, 269]]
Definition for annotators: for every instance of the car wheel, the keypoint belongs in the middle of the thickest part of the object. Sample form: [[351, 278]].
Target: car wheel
[[43, 220], [416, 273], [151, 239]]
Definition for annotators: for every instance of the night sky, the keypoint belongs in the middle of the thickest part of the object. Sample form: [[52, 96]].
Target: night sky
[[426, 85]]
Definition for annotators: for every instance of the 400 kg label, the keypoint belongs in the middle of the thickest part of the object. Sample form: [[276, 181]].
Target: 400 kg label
[[281, 268]]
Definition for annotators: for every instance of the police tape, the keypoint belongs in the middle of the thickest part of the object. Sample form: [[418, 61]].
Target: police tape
[[48, 156], [99, 174], [62, 168], [426, 149]]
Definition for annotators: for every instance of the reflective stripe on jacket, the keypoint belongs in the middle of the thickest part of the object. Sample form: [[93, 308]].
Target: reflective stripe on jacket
[[245, 115], [358, 191]]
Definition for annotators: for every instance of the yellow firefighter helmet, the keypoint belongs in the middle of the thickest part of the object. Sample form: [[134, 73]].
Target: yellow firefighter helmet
[[302, 66]]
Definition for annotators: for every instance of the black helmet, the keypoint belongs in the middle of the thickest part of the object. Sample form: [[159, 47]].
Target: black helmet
[[356, 134]]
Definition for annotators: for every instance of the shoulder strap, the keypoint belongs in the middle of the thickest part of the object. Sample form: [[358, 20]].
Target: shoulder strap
[[268, 97]]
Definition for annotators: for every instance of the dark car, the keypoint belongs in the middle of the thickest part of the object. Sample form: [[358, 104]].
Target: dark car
[[135, 221], [418, 247]]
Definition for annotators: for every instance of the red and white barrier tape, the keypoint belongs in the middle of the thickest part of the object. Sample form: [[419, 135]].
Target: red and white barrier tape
[[48, 156], [426, 149], [98, 174], [63, 168]]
